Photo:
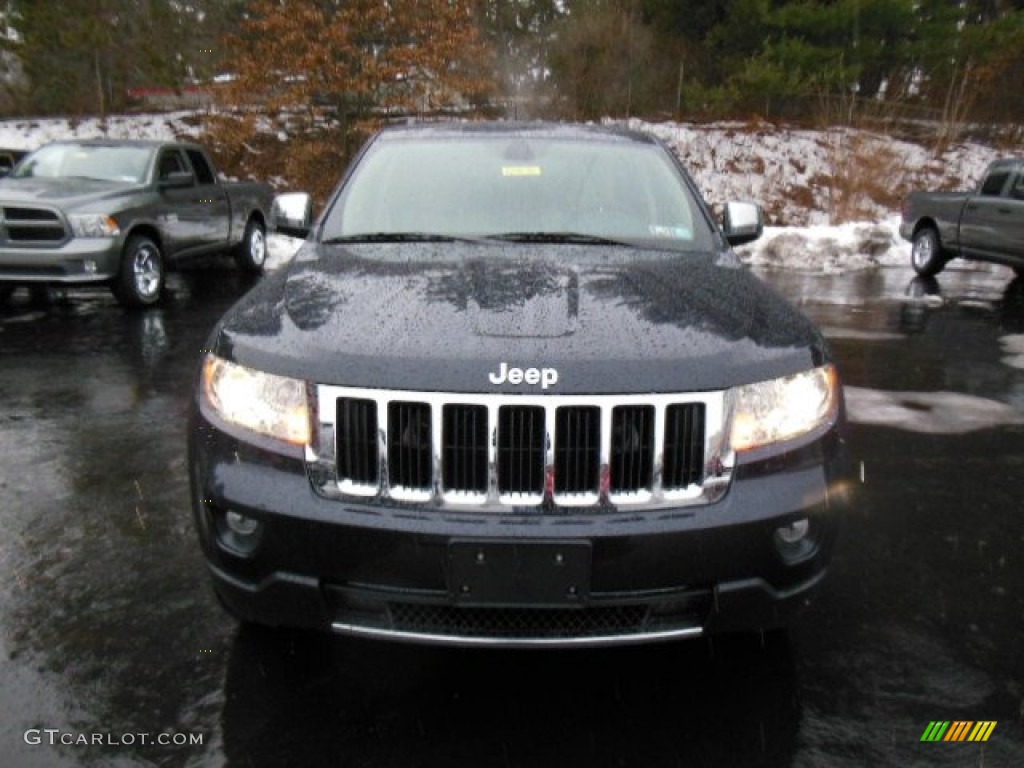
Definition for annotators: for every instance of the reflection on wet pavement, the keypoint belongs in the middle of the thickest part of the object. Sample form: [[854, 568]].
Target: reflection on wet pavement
[[105, 605], [728, 702], [107, 624]]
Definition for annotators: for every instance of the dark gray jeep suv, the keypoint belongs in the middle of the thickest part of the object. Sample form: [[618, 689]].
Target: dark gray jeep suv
[[516, 389]]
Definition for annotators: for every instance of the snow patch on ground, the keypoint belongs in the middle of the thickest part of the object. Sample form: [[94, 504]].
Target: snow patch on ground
[[854, 246], [792, 172], [935, 413], [795, 173], [29, 133], [280, 250], [1013, 350]]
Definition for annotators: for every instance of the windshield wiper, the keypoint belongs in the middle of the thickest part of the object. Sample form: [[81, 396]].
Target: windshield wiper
[[575, 238], [394, 237]]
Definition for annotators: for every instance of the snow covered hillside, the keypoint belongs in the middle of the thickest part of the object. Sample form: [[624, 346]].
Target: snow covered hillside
[[832, 197]]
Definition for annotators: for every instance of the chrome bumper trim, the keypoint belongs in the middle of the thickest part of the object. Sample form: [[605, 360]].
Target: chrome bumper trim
[[594, 641]]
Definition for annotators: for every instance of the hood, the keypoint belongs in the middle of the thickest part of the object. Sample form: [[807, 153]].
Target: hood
[[65, 192], [452, 317]]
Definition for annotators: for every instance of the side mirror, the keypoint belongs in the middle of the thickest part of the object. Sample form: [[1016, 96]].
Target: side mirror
[[177, 180], [292, 214], [742, 222]]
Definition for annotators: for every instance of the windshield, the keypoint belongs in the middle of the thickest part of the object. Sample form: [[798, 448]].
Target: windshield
[[519, 187], [103, 163]]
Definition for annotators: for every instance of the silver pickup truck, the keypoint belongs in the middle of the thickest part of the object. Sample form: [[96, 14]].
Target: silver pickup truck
[[119, 213], [985, 225]]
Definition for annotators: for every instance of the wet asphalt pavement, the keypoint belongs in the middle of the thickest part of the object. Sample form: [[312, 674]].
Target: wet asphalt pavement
[[109, 632]]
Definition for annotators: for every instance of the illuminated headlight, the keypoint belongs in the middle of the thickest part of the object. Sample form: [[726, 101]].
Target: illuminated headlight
[[270, 405], [782, 409], [93, 225]]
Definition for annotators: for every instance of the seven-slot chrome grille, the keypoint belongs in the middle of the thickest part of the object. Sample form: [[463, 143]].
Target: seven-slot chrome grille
[[493, 451]]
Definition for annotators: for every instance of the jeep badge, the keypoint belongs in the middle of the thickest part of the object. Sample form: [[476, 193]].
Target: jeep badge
[[546, 377]]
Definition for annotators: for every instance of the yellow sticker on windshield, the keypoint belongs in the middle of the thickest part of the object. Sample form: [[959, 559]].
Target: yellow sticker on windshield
[[520, 170]]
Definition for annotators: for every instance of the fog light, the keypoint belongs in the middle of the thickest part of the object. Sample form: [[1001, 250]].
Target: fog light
[[793, 533], [796, 541], [241, 524], [90, 267]]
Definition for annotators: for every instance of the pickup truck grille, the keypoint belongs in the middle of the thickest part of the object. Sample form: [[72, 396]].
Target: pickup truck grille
[[487, 451], [31, 226]]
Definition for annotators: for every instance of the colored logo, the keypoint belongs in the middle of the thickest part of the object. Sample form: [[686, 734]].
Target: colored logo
[[958, 730]]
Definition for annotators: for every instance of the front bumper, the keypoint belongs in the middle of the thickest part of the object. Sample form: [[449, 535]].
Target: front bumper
[[511, 579], [79, 260]]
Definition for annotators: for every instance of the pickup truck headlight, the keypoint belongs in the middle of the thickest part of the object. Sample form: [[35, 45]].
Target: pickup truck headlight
[[270, 405], [93, 225], [782, 409]]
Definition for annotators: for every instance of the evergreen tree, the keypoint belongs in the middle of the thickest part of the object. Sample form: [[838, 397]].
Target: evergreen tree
[[81, 56]]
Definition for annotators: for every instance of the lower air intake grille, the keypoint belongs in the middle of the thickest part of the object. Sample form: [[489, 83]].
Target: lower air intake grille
[[517, 623]]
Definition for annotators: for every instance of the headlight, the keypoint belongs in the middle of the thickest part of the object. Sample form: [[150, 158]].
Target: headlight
[[271, 405], [93, 225], [782, 409]]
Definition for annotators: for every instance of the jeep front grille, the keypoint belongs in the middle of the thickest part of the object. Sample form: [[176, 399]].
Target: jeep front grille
[[633, 446], [357, 444], [548, 451], [409, 446], [578, 449], [31, 226], [520, 450], [464, 459], [683, 452]]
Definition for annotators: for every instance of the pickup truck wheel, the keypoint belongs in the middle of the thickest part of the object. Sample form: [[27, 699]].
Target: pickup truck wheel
[[252, 251], [926, 253], [141, 279]]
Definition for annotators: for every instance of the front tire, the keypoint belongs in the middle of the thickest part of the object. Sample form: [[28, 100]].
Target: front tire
[[251, 253], [141, 279], [926, 255]]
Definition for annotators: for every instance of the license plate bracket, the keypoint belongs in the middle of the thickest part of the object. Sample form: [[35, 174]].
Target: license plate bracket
[[518, 573]]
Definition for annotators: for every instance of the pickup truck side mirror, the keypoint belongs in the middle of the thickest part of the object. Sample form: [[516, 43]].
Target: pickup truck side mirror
[[292, 214], [742, 222], [177, 180]]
